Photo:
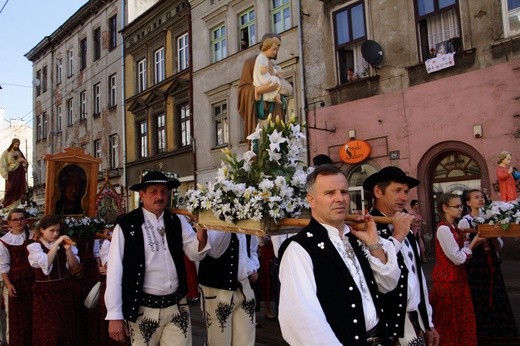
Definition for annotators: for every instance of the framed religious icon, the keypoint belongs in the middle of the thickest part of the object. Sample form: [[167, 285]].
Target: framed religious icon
[[71, 184]]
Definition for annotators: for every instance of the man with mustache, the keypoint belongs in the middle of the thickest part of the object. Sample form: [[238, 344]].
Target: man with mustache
[[407, 307], [146, 275]]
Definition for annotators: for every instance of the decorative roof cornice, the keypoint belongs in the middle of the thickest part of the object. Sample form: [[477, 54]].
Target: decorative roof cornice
[[77, 20]]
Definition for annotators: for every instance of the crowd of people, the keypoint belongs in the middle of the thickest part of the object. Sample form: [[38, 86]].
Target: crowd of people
[[348, 285]]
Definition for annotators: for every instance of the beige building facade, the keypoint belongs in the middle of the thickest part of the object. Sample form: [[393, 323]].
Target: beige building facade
[[77, 91], [158, 117], [224, 35]]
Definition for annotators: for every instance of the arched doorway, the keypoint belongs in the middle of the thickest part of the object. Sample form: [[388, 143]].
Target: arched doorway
[[448, 167], [356, 175]]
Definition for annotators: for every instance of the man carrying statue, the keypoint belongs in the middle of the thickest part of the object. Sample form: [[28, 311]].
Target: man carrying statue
[[12, 169]]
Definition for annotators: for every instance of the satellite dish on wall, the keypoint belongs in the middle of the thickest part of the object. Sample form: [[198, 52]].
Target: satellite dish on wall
[[36, 82], [372, 52]]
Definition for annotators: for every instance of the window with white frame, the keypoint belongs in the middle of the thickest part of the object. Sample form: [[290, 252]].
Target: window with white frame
[[97, 43], [70, 62], [97, 151], [83, 105], [58, 118], [183, 54], [114, 151], [59, 67], [70, 111], [218, 43], [349, 35], [112, 90], [142, 127], [85, 148], [38, 172], [112, 29], [141, 75], [247, 28], [44, 125], [83, 54], [280, 15], [39, 83], [185, 121], [511, 15], [220, 120], [96, 91], [44, 79], [159, 65], [161, 133], [438, 26], [39, 129]]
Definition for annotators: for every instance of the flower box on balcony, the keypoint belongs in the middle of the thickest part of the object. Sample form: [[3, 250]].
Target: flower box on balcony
[[493, 231]]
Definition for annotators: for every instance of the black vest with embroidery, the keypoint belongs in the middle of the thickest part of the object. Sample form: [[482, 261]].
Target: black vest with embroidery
[[221, 272], [134, 261], [336, 290], [395, 302]]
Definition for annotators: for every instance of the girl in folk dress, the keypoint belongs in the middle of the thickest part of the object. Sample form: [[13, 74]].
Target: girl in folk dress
[[18, 277], [54, 314], [495, 319], [450, 297]]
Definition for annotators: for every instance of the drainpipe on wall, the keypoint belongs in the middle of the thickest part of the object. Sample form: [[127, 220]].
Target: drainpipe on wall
[[302, 75], [193, 142], [123, 188]]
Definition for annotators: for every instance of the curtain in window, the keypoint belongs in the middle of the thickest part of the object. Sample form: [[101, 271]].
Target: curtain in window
[[360, 64], [442, 27]]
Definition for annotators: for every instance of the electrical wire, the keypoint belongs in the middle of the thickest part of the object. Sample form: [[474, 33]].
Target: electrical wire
[[1, 9]]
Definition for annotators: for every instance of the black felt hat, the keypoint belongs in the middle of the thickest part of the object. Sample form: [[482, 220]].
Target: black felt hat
[[155, 177], [390, 173]]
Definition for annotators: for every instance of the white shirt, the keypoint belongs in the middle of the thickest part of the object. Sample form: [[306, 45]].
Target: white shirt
[[246, 265], [5, 256], [160, 273], [278, 240], [39, 259], [413, 290], [465, 223], [301, 316], [450, 247], [104, 251]]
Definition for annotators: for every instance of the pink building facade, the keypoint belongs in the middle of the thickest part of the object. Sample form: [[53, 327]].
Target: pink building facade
[[447, 133]]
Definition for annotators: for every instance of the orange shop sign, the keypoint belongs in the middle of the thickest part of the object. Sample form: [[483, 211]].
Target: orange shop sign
[[355, 151]]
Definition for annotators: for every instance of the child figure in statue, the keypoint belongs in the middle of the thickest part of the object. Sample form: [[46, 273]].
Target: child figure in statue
[[265, 72]]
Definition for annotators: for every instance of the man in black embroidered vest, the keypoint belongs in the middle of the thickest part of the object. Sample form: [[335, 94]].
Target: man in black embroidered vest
[[407, 307], [227, 297], [146, 275], [331, 275]]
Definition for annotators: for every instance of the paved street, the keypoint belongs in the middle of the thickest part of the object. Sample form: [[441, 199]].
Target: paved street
[[268, 333]]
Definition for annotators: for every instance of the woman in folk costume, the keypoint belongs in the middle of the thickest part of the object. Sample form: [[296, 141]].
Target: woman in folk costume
[[18, 277], [450, 297], [495, 319], [54, 313]]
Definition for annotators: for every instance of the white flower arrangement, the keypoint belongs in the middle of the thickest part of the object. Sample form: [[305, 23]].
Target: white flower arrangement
[[83, 228], [500, 213], [31, 210], [267, 181]]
